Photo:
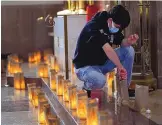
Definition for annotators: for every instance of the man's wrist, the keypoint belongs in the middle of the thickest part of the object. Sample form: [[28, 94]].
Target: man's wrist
[[126, 42], [119, 67]]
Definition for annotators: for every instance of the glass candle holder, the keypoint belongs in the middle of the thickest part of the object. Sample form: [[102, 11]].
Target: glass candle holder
[[46, 111], [65, 91], [19, 82], [46, 53], [13, 57], [56, 65], [82, 101], [29, 90], [41, 117], [31, 58], [37, 56], [92, 112], [14, 67], [110, 78], [53, 74], [36, 92], [32, 89], [72, 96], [51, 61], [59, 84], [43, 70]]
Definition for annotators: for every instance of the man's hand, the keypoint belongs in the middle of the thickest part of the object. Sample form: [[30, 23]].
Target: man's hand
[[122, 73], [132, 39]]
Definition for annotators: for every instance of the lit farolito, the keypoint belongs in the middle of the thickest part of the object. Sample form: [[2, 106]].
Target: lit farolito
[[19, 82], [53, 74], [43, 70], [92, 112], [72, 96], [82, 101], [59, 84]]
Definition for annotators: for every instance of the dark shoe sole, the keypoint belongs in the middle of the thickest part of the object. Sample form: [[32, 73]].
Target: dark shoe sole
[[88, 92]]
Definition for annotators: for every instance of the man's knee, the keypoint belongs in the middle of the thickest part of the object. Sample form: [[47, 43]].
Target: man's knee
[[129, 51], [100, 82], [95, 79]]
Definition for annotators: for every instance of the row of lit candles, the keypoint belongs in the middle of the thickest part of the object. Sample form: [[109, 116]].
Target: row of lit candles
[[39, 101], [86, 109], [36, 57], [76, 101], [15, 69]]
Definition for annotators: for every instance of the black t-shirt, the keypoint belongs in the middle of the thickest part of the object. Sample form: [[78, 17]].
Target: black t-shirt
[[95, 34]]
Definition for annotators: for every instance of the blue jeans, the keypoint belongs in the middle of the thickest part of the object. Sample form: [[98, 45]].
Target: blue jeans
[[94, 76]]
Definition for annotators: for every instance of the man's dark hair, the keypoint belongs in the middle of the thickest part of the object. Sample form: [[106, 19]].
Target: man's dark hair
[[120, 16]]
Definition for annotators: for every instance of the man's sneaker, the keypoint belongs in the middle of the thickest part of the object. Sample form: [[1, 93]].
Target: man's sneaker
[[88, 92]]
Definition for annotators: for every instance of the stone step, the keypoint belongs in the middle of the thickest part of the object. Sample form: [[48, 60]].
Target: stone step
[[152, 83], [139, 76]]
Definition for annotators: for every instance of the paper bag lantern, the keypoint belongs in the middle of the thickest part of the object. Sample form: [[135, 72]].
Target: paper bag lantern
[[110, 80], [31, 58], [13, 67], [72, 96], [29, 90], [35, 95], [103, 118], [34, 57], [53, 74], [41, 117], [115, 81], [56, 65], [59, 85], [82, 101], [14, 58], [73, 75], [37, 56], [92, 112], [67, 83], [43, 70], [72, 67], [16, 67], [51, 61], [46, 111], [19, 82], [32, 89], [41, 96], [47, 52], [141, 97]]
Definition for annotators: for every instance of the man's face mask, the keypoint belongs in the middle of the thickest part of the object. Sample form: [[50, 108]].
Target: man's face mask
[[113, 29]]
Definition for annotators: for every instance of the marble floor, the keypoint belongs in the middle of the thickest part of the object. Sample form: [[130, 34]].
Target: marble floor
[[16, 109], [15, 106]]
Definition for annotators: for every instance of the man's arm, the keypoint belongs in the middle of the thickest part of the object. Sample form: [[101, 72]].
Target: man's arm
[[111, 54]]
